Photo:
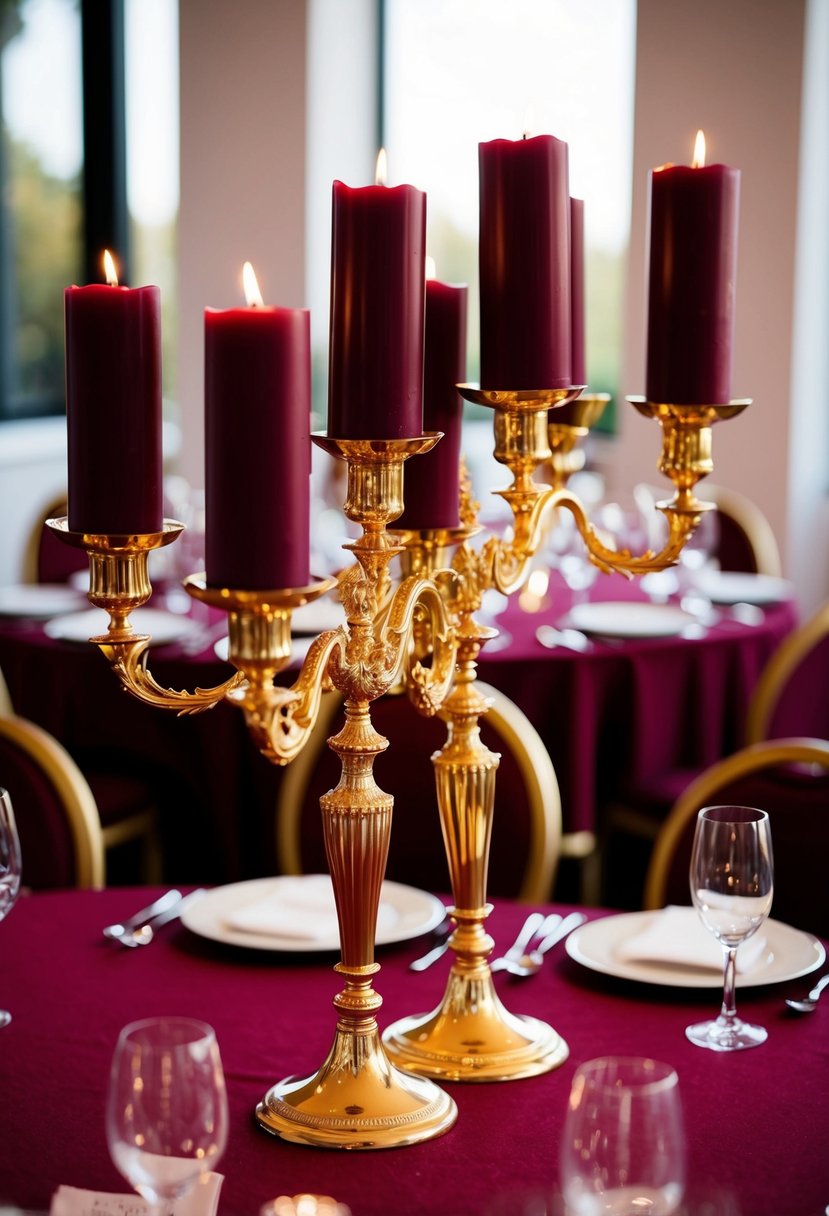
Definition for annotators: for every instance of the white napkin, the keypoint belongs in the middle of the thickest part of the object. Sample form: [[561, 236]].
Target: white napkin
[[677, 935], [201, 1200], [302, 908]]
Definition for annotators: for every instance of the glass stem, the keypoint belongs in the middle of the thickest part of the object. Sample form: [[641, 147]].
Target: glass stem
[[729, 999]]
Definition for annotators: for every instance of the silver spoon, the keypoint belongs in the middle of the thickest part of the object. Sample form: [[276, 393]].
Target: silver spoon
[[117, 931], [808, 1003], [567, 639], [530, 963]]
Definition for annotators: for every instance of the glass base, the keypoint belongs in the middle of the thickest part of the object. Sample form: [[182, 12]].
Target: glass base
[[5, 1018], [726, 1034]]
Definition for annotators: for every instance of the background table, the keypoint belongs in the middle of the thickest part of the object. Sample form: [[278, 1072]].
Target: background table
[[610, 717], [756, 1122]]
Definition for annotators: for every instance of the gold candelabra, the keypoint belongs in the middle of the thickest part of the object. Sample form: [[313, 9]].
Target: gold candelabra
[[470, 1035], [359, 1098]]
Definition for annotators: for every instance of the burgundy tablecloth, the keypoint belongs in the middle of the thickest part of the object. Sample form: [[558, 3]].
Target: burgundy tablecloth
[[756, 1122], [611, 717]]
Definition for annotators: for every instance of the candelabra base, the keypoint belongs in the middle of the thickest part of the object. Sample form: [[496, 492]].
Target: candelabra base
[[357, 1100], [472, 1037]]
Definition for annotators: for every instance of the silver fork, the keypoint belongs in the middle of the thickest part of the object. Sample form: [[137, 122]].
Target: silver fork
[[536, 925]]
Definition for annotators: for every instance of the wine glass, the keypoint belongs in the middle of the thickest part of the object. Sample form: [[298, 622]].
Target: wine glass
[[622, 1150], [9, 868], [167, 1106], [732, 884]]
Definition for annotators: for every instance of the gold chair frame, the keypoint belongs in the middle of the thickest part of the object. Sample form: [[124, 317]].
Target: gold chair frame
[[518, 735], [788, 656], [57, 506], [748, 516], [702, 792], [73, 791]]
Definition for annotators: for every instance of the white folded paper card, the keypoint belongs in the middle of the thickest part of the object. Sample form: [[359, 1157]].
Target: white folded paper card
[[677, 935], [301, 907], [201, 1200]]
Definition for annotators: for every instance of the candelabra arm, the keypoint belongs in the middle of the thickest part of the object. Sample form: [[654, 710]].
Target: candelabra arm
[[418, 603], [682, 518], [506, 563], [128, 659], [280, 720]]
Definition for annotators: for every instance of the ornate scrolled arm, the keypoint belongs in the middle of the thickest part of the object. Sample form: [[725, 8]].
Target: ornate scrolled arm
[[281, 719], [128, 660], [682, 522]]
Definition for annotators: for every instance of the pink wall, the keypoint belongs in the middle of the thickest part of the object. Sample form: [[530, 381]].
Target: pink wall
[[243, 76], [733, 69]]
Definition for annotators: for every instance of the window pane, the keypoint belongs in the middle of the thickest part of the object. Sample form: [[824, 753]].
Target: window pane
[[151, 45], [42, 156], [460, 72]]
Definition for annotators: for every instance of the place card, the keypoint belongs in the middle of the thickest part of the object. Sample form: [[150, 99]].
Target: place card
[[201, 1200]]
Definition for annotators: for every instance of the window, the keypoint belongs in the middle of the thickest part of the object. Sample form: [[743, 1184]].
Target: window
[[460, 72], [42, 216], [152, 132], [89, 159]]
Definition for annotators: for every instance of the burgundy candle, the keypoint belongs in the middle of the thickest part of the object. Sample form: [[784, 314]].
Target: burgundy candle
[[524, 256], [431, 485], [578, 369], [692, 277], [113, 408], [375, 382], [257, 447]]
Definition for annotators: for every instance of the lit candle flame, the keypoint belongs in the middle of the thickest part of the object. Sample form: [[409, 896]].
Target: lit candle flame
[[698, 161], [381, 172], [529, 121], [431, 268], [253, 295], [110, 273]]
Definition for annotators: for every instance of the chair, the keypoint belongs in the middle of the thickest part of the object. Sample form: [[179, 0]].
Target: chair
[[526, 831], [743, 538], [46, 559], [123, 800], [5, 697], [792, 694], [62, 843], [789, 778], [746, 541]]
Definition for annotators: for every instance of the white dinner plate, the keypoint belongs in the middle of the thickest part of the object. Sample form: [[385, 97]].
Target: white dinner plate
[[789, 953], [299, 648], [163, 627], [316, 617], [40, 601], [405, 912], [628, 619], [731, 587]]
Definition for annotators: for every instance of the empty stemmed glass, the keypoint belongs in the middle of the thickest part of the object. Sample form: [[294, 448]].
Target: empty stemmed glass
[[622, 1150], [167, 1107], [9, 868], [732, 884]]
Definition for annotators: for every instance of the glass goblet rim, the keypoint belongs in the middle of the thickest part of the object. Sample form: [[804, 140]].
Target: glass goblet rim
[[593, 1073], [732, 814], [182, 1031]]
